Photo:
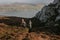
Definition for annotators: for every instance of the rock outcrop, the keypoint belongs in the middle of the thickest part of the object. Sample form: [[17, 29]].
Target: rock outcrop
[[50, 13], [50, 16], [56, 1]]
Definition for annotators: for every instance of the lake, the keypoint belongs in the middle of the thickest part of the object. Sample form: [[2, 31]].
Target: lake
[[21, 13]]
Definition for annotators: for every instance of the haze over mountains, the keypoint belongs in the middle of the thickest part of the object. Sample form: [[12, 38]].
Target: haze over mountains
[[20, 6], [20, 9]]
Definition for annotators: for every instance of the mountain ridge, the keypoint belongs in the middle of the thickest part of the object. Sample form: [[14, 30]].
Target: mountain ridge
[[18, 6]]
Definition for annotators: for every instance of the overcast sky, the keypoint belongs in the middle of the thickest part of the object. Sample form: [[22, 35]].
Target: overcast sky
[[26, 1]]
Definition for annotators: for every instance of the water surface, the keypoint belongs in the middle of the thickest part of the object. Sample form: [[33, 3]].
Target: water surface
[[21, 13]]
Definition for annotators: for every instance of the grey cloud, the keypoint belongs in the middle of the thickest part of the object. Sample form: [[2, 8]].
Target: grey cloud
[[27, 1]]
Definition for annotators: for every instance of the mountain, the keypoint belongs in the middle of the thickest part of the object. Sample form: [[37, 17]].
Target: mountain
[[47, 19], [20, 6], [45, 25], [50, 16], [50, 12]]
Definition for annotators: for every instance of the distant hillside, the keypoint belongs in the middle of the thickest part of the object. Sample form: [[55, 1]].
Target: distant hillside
[[20, 6]]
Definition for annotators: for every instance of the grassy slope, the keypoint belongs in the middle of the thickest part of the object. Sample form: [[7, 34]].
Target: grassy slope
[[19, 33], [16, 32]]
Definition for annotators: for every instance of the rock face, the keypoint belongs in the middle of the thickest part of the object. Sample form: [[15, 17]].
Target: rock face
[[50, 14], [56, 1]]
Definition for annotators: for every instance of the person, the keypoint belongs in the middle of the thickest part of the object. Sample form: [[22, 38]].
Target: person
[[23, 23], [30, 24]]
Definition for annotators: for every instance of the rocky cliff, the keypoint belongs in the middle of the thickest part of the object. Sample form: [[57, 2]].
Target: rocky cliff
[[50, 13], [50, 16]]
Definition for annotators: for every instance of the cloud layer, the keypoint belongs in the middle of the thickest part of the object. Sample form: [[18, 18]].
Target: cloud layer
[[27, 1]]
